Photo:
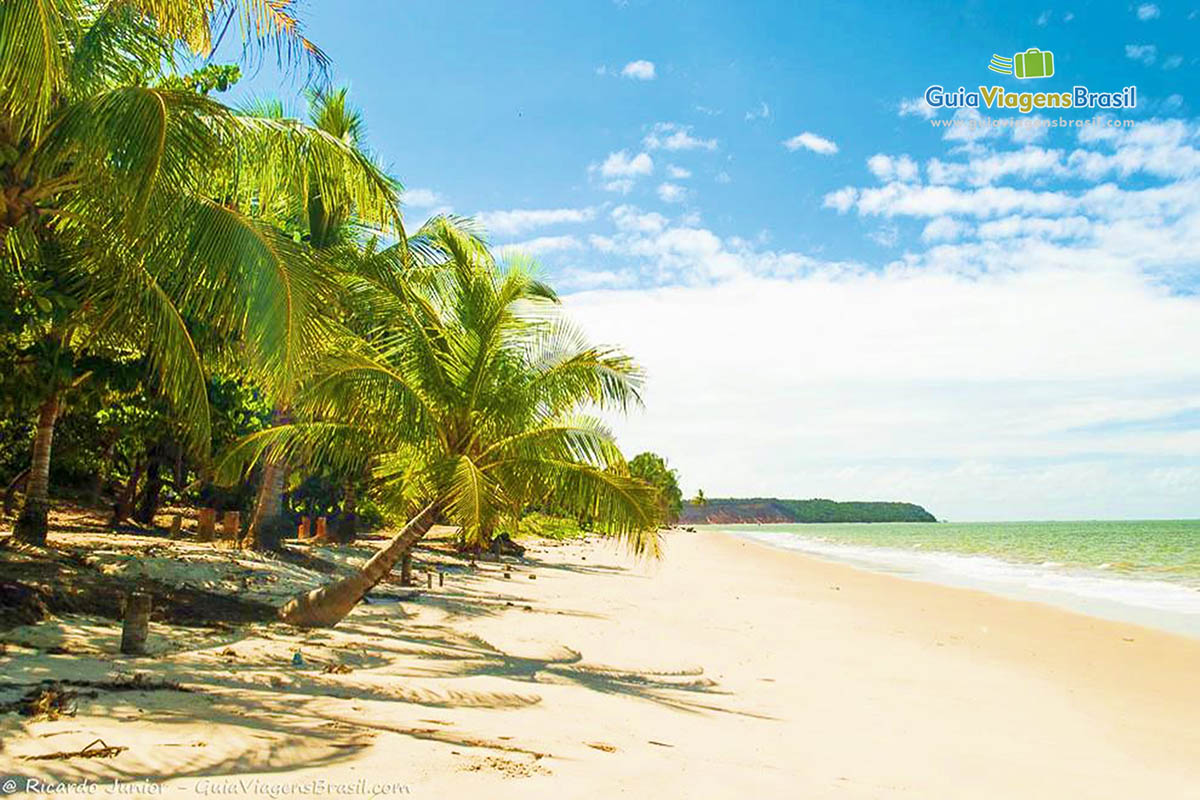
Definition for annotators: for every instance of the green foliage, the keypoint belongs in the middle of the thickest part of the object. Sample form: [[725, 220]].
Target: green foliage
[[546, 526], [205, 80], [770, 509], [652, 468], [466, 391], [178, 277]]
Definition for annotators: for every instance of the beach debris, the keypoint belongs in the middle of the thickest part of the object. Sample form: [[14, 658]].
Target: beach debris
[[505, 766], [532, 577], [507, 574], [51, 702], [659, 744], [607, 748], [91, 751], [298, 660], [228, 652], [137, 624], [336, 669], [20, 605]]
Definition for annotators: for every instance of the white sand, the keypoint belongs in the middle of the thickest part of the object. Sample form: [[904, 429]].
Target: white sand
[[728, 670]]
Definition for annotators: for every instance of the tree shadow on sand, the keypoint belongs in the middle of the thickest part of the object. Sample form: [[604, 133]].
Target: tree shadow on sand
[[466, 655]]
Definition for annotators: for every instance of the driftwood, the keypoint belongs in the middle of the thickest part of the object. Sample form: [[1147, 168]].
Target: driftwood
[[91, 751]]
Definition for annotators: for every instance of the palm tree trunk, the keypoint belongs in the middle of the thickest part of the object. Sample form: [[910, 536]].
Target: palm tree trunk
[[151, 494], [267, 528], [31, 525], [268, 508], [328, 605], [347, 525]]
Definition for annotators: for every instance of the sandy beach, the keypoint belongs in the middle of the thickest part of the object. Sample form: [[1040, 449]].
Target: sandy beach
[[728, 669]]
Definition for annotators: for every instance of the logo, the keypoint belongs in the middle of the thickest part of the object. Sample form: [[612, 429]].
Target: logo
[[1033, 63]]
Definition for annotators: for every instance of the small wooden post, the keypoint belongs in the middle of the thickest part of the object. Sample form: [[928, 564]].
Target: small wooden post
[[441, 578], [231, 526], [206, 523], [429, 580], [137, 624], [320, 535], [302, 529], [406, 569], [176, 526]]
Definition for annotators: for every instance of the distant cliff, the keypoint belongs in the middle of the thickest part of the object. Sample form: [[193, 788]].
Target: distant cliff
[[770, 509]]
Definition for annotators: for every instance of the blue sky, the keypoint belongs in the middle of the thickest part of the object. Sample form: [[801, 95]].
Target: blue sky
[[832, 296]]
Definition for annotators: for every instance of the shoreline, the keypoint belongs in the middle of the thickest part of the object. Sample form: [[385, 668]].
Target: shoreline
[[1137, 599], [729, 668]]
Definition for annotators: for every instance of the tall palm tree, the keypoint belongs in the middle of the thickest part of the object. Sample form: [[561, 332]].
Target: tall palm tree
[[468, 397], [130, 200], [331, 214]]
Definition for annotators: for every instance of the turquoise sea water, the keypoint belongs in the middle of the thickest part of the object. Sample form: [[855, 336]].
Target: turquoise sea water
[[1139, 571]]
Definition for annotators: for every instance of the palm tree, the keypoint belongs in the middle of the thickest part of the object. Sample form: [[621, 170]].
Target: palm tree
[[699, 500], [331, 212], [128, 199], [467, 397]]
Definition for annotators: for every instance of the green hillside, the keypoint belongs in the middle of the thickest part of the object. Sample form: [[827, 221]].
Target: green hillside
[[771, 509]]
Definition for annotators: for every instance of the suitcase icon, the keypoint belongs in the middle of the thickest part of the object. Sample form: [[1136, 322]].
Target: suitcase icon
[[1033, 63]]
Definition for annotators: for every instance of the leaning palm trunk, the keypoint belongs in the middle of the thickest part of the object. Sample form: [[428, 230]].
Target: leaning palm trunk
[[31, 525], [327, 606]]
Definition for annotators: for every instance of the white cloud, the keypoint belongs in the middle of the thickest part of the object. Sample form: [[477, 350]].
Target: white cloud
[[620, 170], [723, 177], [639, 70], [421, 198], [888, 168], [1147, 11], [813, 142], [671, 193], [673, 136], [916, 106], [943, 229], [762, 112], [678, 173], [842, 200], [928, 386], [1044, 19], [1145, 53], [633, 219], [621, 165], [1172, 62], [545, 244], [516, 221]]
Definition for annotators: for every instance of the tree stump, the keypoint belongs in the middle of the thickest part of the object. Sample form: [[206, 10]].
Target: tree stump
[[321, 535], [231, 526], [206, 524], [302, 529], [137, 624], [176, 526]]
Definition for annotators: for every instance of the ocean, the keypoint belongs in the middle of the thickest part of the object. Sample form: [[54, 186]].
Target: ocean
[[1146, 572]]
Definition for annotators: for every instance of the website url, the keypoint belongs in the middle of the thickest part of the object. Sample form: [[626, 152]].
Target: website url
[[978, 123]]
